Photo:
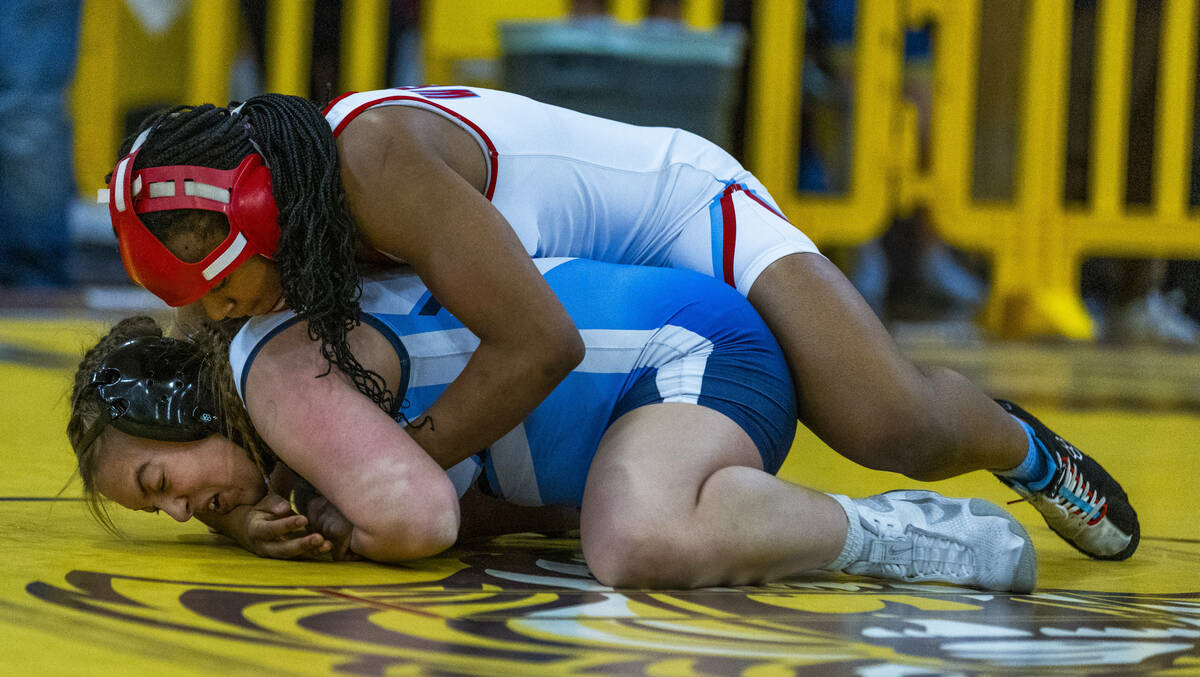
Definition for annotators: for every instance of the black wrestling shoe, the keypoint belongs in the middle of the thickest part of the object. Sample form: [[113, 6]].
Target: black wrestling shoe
[[1082, 503]]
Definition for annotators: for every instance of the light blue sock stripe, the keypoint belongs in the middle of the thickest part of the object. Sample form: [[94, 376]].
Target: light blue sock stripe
[[1038, 467]]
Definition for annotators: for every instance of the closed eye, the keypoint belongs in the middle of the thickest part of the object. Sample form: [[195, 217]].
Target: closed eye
[[162, 488]]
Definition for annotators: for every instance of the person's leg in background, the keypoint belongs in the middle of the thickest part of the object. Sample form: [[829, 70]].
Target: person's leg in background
[[38, 46], [1139, 311], [1134, 301]]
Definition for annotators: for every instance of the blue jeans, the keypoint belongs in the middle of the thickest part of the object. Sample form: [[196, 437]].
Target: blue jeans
[[38, 47]]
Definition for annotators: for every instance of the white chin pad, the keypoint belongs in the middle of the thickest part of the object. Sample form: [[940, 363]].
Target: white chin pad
[[102, 196]]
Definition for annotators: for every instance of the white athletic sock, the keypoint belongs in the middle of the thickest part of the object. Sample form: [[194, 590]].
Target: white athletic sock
[[852, 550]]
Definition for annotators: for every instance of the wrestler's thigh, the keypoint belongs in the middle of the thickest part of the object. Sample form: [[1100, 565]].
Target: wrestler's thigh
[[856, 390], [652, 462], [736, 237]]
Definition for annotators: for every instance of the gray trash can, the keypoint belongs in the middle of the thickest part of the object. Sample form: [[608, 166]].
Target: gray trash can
[[655, 73]]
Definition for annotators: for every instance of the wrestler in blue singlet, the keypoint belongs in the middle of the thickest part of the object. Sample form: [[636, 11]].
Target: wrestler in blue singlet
[[652, 335]]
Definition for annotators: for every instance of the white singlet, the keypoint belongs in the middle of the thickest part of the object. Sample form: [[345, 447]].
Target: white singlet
[[576, 185]]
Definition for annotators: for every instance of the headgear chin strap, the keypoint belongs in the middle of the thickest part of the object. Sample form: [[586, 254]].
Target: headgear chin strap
[[242, 194], [149, 386]]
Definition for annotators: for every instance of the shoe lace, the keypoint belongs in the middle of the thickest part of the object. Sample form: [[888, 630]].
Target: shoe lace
[[931, 554], [934, 555], [1073, 484], [1074, 488]]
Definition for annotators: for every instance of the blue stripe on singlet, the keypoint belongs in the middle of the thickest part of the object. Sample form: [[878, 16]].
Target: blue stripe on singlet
[[423, 304], [717, 222], [430, 306]]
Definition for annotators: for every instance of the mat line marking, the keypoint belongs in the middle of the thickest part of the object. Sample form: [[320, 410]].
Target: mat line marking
[[373, 602], [1171, 540], [16, 499]]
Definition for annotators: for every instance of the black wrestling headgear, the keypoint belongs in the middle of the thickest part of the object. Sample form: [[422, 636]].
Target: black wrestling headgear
[[150, 387]]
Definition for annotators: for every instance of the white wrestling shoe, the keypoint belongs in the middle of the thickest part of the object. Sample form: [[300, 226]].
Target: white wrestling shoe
[[922, 536]]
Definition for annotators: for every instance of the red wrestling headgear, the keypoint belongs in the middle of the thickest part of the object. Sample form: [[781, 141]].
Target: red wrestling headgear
[[242, 194]]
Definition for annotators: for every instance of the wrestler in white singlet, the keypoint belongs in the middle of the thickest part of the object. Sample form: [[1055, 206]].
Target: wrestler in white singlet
[[572, 184]]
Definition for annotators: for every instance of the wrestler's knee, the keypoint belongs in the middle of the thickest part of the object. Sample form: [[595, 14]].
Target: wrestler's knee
[[635, 553]]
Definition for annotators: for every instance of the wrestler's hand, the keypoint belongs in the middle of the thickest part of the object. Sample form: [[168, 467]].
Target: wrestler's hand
[[329, 522], [270, 529]]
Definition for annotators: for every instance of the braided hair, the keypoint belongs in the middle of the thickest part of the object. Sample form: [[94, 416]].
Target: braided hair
[[317, 266]]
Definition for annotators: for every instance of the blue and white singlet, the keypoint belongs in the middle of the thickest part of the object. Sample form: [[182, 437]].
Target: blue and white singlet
[[651, 335]]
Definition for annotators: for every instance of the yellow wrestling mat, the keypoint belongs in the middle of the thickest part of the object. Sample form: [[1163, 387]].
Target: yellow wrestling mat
[[172, 599]]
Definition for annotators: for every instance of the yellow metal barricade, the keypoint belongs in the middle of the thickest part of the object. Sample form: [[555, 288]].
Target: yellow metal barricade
[[1035, 271], [774, 103], [1035, 279], [1037, 243], [124, 66]]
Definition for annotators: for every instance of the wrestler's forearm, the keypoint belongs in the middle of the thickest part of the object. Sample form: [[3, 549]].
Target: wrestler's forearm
[[496, 390]]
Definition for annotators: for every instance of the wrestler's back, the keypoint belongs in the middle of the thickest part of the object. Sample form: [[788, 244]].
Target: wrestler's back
[[572, 184]]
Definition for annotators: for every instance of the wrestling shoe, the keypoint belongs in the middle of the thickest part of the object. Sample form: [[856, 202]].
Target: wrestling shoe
[[1082, 503], [922, 536]]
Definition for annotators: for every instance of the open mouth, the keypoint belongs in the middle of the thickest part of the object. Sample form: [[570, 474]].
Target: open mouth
[[214, 503]]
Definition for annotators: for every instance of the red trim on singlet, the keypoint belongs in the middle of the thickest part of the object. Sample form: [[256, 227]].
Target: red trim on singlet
[[493, 156], [759, 200], [329, 106], [729, 239]]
